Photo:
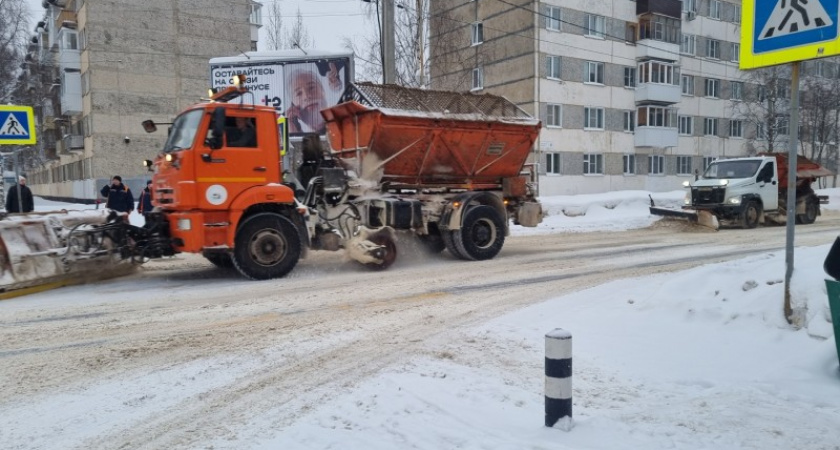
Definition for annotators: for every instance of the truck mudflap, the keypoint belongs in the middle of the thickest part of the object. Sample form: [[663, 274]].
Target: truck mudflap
[[700, 217], [39, 251]]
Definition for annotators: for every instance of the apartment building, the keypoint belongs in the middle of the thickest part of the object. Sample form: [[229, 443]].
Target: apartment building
[[98, 68], [631, 94]]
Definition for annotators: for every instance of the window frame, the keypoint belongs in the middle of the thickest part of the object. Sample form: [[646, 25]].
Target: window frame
[[712, 88], [630, 77], [599, 72], [690, 41], [550, 19], [596, 30], [598, 117], [552, 163], [554, 110], [588, 164], [713, 49], [656, 165], [740, 128], [736, 90], [684, 165], [714, 9], [476, 33], [687, 84], [477, 78], [629, 120], [710, 126], [553, 67], [688, 129], [628, 160]]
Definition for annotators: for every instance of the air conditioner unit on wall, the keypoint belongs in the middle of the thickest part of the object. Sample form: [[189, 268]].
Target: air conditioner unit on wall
[[690, 15]]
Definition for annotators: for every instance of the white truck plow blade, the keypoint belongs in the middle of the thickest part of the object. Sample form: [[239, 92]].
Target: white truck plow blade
[[40, 249], [702, 218]]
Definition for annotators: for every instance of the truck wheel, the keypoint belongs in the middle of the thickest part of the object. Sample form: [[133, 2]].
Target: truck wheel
[[750, 215], [267, 246], [812, 210], [482, 234], [448, 238], [219, 259], [388, 252]]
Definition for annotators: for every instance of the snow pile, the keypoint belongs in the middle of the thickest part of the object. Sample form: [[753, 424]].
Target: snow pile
[[698, 359]]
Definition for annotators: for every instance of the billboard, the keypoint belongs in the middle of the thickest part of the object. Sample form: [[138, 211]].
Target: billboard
[[297, 88]]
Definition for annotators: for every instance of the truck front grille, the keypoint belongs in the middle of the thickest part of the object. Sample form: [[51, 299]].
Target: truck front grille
[[707, 195]]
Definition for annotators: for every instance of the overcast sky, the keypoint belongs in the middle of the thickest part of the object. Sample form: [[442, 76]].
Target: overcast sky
[[328, 21]]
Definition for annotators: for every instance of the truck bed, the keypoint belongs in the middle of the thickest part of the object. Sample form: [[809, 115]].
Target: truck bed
[[414, 137]]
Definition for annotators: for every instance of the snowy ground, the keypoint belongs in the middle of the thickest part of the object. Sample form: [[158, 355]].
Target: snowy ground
[[699, 359]]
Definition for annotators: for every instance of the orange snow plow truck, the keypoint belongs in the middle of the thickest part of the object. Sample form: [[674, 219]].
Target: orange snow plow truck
[[447, 168]]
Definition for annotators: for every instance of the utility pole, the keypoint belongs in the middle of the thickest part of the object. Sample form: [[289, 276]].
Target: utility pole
[[389, 63]]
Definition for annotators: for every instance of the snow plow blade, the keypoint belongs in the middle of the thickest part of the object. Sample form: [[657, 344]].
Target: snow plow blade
[[702, 218], [40, 251]]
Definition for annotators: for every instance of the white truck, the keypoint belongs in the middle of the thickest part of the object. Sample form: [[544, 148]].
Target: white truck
[[748, 191]]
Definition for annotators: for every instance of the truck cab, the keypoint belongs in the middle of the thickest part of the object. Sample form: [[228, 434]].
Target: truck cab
[[750, 190], [220, 165]]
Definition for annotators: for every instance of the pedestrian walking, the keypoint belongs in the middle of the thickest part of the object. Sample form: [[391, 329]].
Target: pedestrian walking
[[22, 203], [119, 197]]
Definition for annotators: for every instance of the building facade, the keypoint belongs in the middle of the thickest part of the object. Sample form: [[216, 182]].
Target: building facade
[[99, 68], [631, 94]]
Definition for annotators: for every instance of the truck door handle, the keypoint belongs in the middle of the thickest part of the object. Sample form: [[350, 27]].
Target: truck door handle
[[260, 169]]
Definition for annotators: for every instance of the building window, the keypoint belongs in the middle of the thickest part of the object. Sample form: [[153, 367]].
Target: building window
[[657, 72], [760, 132], [593, 164], [629, 164], [553, 115], [656, 116], [737, 88], [736, 128], [712, 88], [256, 13], [737, 18], [478, 78], [630, 33], [686, 125], [552, 163], [594, 72], [736, 52], [819, 69], [684, 165], [714, 9], [688, 46], [657, 164], [629, 77], [713, 48], [687, 84], [659, 28], [629, 121], [710, 126], [689, 6], [707, 161], [595, 26], [783, 128], [477, 33], [782, 90], [552, 22], [593, 118], [552, 67]]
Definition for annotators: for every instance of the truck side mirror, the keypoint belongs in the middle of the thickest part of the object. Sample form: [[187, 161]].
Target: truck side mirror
[[217, 129]]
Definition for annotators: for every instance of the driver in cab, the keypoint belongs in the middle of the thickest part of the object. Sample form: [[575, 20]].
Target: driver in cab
[[243, 134]]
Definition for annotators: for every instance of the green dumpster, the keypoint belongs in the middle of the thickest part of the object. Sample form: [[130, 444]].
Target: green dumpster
[[833, 288]]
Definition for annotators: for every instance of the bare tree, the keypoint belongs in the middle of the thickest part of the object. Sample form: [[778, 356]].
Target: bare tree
[[274, 26], [766, 106], [14, 22], [298, 35]]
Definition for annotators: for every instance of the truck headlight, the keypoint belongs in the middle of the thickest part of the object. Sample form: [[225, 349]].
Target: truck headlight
[[734, 200], [685, 183], [687, 199], [184, 224]]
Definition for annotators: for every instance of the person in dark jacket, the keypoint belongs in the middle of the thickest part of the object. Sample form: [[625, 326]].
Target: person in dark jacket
[[26, 204], [118, 196], [144, 206]]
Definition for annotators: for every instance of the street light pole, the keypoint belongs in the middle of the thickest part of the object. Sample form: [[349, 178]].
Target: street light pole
[[389, 64]]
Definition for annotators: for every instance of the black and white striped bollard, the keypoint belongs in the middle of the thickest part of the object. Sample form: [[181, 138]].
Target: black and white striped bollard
[[558, 379]]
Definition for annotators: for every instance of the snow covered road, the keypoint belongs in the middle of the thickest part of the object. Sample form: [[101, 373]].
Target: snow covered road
[[185, 355]]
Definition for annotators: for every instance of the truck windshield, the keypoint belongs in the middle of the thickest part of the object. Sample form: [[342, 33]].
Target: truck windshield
[[732, 169], [183, 131]]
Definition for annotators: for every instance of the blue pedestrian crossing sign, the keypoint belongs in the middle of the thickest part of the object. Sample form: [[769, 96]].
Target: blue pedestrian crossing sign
[[17, 125], [781, 31]]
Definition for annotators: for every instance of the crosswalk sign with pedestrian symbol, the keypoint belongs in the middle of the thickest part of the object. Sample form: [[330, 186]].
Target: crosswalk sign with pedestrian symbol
[[17, 125], [782, 31]]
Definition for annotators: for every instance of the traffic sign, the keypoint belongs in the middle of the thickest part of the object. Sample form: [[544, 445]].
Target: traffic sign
[[782, 31], [17, 125]]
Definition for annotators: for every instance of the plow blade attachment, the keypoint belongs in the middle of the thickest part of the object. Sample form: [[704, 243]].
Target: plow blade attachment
[[39, 251], [702, 218]]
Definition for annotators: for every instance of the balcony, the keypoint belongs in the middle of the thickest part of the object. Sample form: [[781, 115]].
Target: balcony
[[71, 92], [669, 8], [73, 142], [664, 94], [655, 49], [659, 137]]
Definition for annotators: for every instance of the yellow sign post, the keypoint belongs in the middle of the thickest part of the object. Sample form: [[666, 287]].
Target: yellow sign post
[[17, 125]]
